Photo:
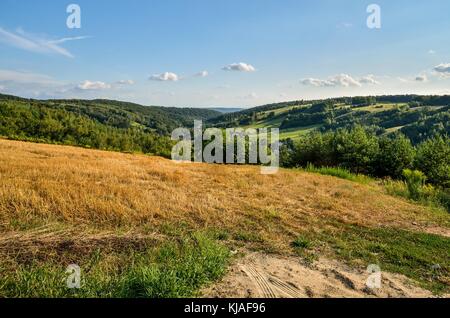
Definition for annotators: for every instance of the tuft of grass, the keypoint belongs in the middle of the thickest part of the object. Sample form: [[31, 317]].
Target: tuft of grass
[[249, 237], [301, 243], [273, 214], [175, 269], [339, 173]]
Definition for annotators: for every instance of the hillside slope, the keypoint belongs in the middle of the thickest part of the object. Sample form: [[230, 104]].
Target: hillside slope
[[418, 117], [52, 197]]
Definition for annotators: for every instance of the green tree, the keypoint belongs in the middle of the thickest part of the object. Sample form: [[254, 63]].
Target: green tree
[[433, 158], [356, 149], [395, 155], [316, 149]]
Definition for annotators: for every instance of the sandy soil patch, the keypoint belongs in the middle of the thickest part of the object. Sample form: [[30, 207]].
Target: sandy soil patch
[[272, 276]]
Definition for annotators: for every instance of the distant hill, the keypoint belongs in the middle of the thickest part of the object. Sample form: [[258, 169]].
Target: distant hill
[[124, 114], [226, 110], [100, 124], [418, 117]]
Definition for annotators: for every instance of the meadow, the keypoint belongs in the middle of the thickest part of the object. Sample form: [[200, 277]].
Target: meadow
[[124, 217]]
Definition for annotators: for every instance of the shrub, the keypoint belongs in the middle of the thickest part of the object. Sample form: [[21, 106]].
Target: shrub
[[425, 194], [415, 181]]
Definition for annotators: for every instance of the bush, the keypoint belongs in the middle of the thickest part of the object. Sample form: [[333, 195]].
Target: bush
[[425, 194], [415, 181]]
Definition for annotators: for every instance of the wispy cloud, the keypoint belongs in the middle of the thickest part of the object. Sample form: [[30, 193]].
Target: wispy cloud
[[125, 82], [202, 74], [25, 77], [239, 67], [63, 40], [32, 43]]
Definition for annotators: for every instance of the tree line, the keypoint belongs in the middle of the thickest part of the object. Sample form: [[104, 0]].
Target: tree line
[[361, 151]]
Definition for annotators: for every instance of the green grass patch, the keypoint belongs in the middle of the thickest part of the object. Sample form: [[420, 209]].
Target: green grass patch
[[419, 256], [339, 173], [174, 269], [426, 195], [249, 237]]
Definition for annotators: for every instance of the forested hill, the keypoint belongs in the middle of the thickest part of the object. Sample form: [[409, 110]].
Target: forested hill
[[123, 114], [418, 117], [100, 124]]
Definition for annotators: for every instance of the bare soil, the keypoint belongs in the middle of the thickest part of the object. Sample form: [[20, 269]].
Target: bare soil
[[260, 275]]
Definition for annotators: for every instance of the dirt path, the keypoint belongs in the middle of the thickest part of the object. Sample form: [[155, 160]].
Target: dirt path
[[271, 276]]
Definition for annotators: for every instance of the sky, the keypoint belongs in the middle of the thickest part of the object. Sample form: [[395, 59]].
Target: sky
[[223, 53]]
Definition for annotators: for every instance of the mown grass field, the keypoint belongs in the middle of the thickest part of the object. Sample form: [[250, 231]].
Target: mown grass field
[[143, 226]]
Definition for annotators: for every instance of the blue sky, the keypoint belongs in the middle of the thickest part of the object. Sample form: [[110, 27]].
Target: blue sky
[[206, 53]]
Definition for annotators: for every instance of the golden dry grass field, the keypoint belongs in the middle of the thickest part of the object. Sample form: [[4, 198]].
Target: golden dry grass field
[[58, 198]]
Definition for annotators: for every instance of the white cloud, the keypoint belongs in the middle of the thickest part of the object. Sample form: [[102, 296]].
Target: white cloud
[[343, 80], [431, 52], [443, 69], [125, 82], [36, 44], [369, 79], [315, 82], [240, 67], [167, 76], [202, 74], [90, 86]]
